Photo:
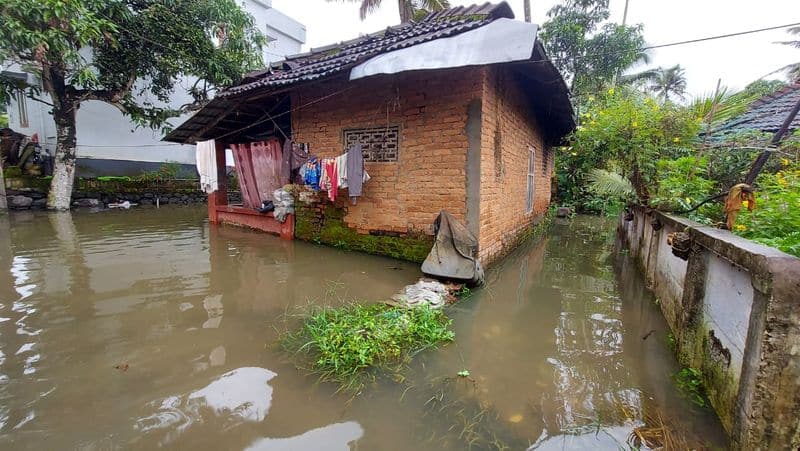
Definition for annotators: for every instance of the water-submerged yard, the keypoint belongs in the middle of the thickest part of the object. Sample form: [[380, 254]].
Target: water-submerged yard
[[147, 328]]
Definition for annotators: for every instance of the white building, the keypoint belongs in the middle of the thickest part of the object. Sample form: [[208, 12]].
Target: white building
[[109, 144]]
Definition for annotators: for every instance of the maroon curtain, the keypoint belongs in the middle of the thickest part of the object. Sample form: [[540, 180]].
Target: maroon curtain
[[258, 165]]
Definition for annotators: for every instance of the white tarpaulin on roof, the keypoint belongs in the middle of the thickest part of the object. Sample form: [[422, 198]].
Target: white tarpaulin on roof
[[502, 41]]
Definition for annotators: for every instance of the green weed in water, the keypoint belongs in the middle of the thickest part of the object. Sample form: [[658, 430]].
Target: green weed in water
[[347, 344], [689, 382]]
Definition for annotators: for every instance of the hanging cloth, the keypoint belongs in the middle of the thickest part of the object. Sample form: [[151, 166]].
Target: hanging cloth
[[258, 166], [355, 171], [333, 179], [293, 158], [267, 168], [341, 169], [206, 155]]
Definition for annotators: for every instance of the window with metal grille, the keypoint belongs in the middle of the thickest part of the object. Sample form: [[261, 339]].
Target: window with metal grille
[[380, 144], [531, 179], [22, 105]]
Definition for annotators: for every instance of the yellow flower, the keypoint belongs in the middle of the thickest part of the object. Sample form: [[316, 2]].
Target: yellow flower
[[634, 124], [782, 182], [611, 92], [785, 161], [574, 154], [593, 123], [591, 98], [746, 203], [688, 200], [741, 227], [676, 140]]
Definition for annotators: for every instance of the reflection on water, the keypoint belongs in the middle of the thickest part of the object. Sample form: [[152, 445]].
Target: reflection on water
[[145, 329], [335, 437]]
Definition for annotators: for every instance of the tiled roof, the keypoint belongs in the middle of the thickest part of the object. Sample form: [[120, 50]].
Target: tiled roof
[[235, 111], [766, 114], [330, 60]]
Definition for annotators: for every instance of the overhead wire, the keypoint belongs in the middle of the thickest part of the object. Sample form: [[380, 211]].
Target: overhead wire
[[268, 118]]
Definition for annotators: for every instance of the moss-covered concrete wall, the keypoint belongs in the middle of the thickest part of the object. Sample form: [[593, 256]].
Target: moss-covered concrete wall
[[319, 220], [732, 307]]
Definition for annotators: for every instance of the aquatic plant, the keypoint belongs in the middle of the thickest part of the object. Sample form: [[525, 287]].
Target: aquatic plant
[[346, 345], [690, 383]]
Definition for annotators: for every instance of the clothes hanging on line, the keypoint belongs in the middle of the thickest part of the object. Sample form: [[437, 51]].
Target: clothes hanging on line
[[355, 171], [293, 158], [333, 179], [206, 155], [311, 172]]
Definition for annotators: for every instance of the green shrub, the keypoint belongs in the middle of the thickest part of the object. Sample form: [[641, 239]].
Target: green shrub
[[681, 186], [627, 133], [776, 219], [346, 344]]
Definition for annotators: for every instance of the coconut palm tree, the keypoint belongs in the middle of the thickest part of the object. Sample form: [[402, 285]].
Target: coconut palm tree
[[793, 69], [669, 81], [407, 8]]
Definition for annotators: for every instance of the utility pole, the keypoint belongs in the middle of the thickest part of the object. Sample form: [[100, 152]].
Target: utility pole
[[625, 14], [527, 4]]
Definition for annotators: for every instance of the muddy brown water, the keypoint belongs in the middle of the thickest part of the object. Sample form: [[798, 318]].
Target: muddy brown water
[[148, 329]]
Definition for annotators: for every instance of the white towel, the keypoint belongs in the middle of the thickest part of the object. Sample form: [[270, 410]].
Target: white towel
[[207, 165]]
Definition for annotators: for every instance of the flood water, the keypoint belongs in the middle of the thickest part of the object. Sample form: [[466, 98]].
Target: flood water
[[149, 329]]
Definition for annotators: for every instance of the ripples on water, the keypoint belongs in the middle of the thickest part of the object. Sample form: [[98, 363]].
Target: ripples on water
[[145, 329]]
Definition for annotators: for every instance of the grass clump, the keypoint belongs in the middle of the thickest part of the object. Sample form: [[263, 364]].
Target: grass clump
[[346, 345]]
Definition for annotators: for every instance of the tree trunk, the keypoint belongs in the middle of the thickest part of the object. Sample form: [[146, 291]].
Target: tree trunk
[[64, 115], [406, 10], [60, 195]]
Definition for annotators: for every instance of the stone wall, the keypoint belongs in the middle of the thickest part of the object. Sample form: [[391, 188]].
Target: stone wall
[[509, 130], [733, 309], [31, 193]]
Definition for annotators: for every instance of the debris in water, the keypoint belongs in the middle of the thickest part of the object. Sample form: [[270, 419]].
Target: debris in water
[[122, 367], [515, 418], [463, 373], [647, 335]]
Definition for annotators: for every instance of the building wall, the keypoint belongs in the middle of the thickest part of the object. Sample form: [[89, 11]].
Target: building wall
[[431, 109], [105, 134], [509, 129]]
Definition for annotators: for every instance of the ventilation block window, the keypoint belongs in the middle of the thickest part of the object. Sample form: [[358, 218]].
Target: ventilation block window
[[379, 144], [531, 179]]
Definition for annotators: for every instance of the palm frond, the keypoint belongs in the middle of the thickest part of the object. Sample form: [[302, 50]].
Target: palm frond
[[610, 184], [647, 75], [433, 5], [368, 7]]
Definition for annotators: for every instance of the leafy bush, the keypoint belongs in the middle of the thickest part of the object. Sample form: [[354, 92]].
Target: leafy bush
[[629, 132], [167, 171], [689, 381], [776, 220], [681, 186], [343, 344]]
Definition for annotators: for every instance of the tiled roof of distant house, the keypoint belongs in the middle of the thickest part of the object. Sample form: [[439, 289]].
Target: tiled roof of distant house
[[766, 114]]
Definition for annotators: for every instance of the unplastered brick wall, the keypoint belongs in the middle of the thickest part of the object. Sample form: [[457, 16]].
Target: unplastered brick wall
[[430, 109], [508, 129]]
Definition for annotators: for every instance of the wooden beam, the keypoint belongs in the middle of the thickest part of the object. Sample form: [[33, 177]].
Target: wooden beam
[[215, 121]]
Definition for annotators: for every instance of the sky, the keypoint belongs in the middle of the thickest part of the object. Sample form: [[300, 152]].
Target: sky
[[737, 60]]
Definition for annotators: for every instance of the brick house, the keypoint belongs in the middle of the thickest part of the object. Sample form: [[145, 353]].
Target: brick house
[[467, 105]]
